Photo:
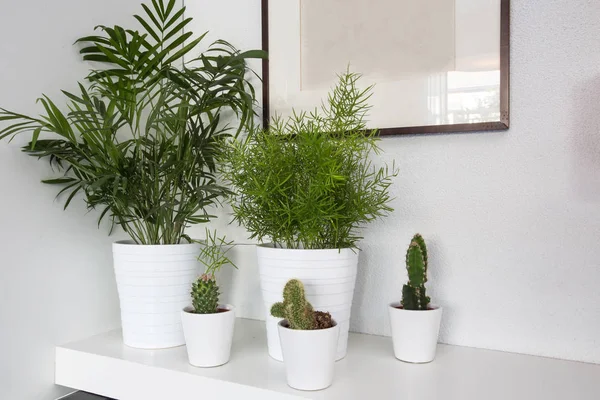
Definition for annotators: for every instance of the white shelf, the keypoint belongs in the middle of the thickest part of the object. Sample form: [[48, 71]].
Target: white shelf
[[103, 365]]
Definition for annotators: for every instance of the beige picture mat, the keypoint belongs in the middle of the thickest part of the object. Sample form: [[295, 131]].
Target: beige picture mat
[[384, 39]]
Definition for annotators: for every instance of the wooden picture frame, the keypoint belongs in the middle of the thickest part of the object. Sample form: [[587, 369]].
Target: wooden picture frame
[[503, 119]]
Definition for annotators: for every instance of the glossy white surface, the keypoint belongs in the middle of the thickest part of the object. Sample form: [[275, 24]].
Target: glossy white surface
[[101, 364]]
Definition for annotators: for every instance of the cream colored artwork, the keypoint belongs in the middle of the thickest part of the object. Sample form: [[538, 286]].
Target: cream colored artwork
[[395, 40], [433, 62]]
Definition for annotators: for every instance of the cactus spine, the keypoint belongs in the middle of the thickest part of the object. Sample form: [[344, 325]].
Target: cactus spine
[[295, 308], [205, 295], [414, 296]]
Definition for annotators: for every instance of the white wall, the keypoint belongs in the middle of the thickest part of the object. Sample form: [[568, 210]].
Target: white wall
[[56, 279], [512, 218]]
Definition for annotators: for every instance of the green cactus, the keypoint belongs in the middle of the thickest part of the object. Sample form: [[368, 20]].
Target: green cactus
[[205, 295], [414, 295], [295, 308], [421, 242]]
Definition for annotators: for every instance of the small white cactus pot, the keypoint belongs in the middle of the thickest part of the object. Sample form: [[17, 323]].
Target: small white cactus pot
[[309, 356], [415, 333], [208, 337]]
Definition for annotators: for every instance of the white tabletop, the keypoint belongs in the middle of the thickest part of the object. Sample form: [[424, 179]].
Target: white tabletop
[[103, 365]]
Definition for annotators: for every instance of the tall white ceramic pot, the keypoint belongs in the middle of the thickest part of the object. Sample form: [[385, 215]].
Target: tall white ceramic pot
[[154, 283], [328, 276], [309, 356], [415, 333]]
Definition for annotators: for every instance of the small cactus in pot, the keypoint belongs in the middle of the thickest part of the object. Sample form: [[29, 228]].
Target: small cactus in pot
[[205, 291], [414, 295], [415, 322], [308, 339], [207, 325]]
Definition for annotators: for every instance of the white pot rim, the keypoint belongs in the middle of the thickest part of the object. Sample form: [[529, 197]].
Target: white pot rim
[[132, 243], [433, 307], [284, 322], [228, 307], [271, 247]]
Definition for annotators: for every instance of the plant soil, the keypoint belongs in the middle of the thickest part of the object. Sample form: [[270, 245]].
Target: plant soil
[[402, 308], [323, 320], [219, 311]]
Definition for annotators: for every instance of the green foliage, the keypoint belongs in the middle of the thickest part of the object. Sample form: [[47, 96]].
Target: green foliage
[[205, 295], [141, 138], [421, 243], [213, 254], [295, 308], [414, 295], [307, 182]]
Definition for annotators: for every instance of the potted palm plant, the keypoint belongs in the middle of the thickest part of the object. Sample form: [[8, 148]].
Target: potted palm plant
[[304, 187], [139, 141], [415, 322], [308, 339], [207, 325]]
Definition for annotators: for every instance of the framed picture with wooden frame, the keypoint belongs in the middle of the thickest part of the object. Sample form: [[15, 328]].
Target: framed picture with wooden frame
[[436, 66]]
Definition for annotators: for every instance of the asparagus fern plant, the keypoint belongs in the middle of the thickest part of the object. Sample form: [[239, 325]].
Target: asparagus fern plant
[[308, 181]]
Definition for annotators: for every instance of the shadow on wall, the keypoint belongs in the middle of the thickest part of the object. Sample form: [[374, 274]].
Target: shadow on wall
[[85, 396], [585, 141], [241, 287]]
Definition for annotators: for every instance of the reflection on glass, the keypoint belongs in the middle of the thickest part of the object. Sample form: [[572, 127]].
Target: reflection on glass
[[464, 97]]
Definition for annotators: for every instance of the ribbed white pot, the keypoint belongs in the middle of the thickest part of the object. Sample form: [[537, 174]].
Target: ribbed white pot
[[208, 337], [329, 277], [415, 333], [309, 356], [154, 283]]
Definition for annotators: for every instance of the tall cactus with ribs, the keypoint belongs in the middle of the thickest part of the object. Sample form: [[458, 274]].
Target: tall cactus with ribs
[[414, 296]]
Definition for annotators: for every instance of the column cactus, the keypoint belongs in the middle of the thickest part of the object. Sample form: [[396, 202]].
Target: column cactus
[[414, 295], [205, 295]]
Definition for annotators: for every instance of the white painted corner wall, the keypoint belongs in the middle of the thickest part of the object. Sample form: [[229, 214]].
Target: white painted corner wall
[[56, 278], [511, 218]]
